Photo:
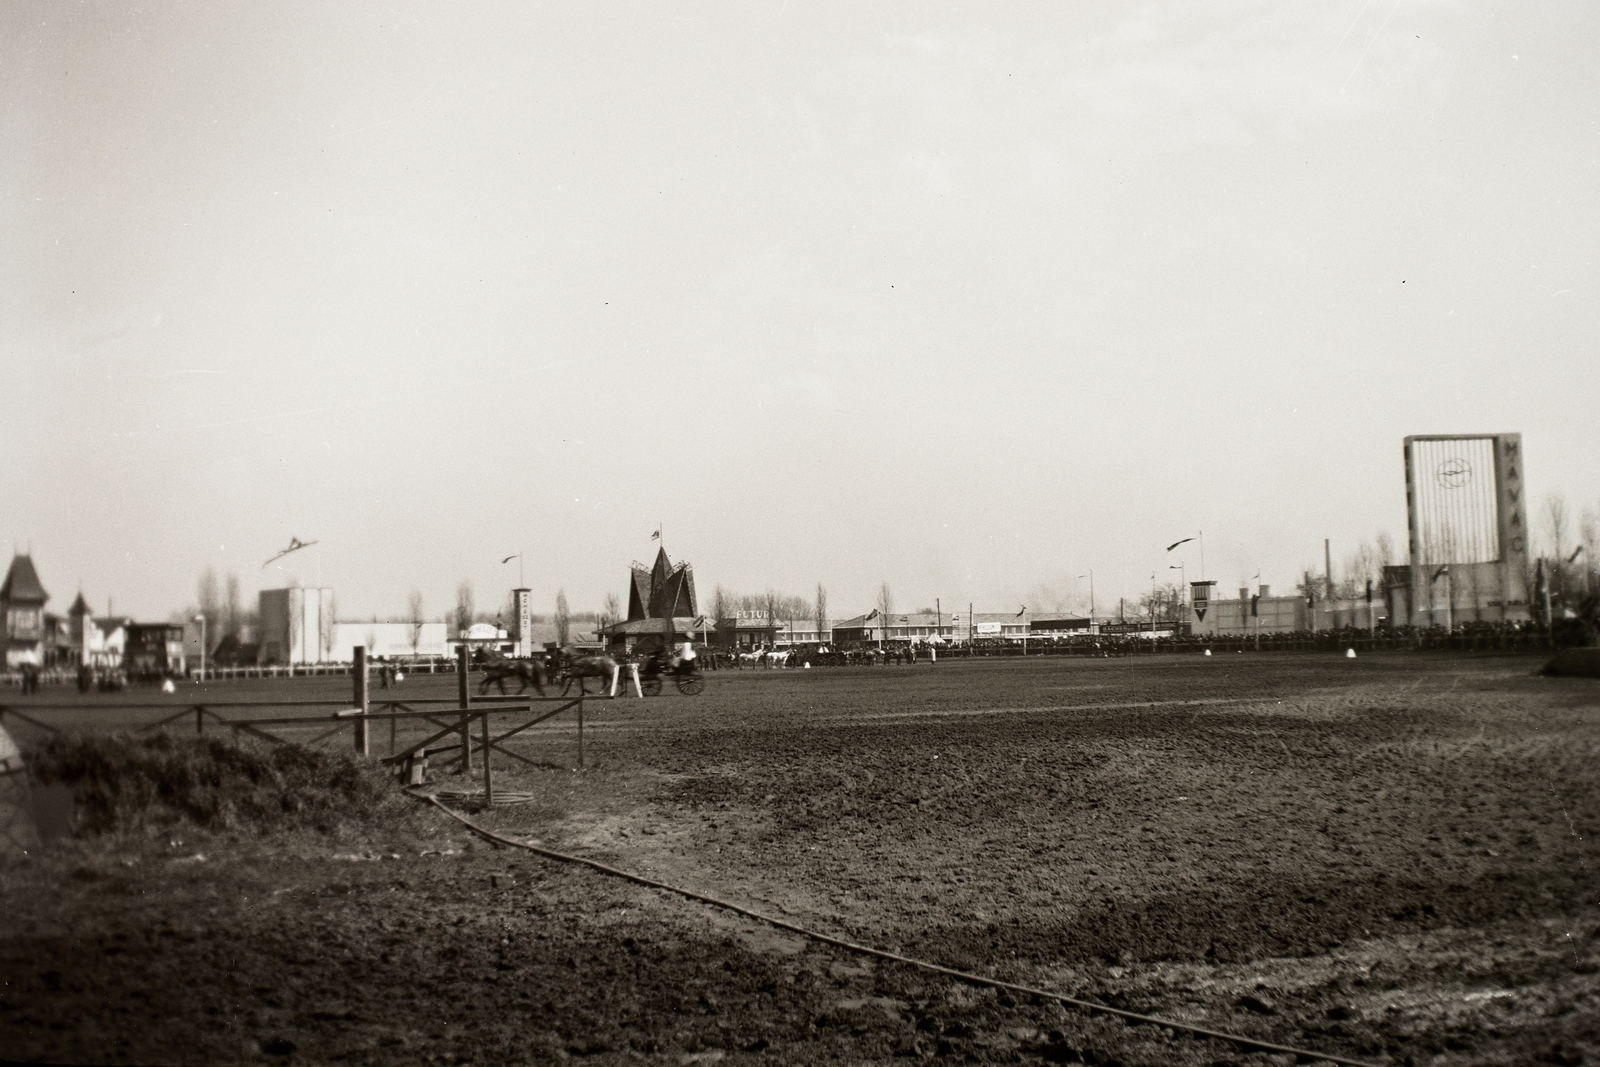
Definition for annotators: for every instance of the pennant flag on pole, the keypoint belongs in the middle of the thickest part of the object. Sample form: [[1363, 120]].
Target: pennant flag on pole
[[1175, 544]]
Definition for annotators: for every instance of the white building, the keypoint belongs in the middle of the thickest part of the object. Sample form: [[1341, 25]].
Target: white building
[[297, 626], [391, 640]]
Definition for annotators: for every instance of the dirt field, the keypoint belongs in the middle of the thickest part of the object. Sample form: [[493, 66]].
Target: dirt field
[[1392, 858]]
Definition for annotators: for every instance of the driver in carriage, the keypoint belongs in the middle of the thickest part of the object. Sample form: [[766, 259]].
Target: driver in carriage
[[683, 657]]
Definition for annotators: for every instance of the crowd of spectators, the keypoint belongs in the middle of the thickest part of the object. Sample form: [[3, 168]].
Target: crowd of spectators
[[1465, 637]]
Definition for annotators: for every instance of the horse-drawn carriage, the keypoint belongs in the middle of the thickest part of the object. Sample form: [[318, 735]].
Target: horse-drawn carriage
[[562, 670], [654, 669]]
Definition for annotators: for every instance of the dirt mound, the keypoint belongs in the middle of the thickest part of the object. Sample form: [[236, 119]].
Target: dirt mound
[[123, 783]]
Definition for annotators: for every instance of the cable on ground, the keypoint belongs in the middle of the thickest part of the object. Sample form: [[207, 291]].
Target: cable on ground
[[894, 957]]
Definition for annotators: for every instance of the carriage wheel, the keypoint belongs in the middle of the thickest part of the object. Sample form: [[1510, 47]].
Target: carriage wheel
[[691, 684], [650, 687]]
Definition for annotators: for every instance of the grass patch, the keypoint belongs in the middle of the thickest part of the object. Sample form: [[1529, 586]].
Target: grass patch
[[141, 783]]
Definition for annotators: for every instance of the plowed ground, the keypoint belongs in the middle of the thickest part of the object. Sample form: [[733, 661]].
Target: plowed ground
[[1392, 858]]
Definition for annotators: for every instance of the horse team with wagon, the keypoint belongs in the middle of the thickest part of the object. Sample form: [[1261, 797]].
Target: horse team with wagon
[[561, 668]]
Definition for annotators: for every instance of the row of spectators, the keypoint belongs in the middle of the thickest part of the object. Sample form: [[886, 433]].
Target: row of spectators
[[1470, 636]]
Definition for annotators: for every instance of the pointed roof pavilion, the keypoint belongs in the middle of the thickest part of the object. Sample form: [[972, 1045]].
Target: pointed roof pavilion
[[663, 591], [22, 583]]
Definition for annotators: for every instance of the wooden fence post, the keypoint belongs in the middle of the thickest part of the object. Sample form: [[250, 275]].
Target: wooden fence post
[[199, 721], [358, 680], [488, 775], [580, 728], [464, 696]]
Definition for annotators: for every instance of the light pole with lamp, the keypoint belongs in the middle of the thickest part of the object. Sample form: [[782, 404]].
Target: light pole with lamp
[[201, 619], [1255, 607], [1090, 576], [1183, 579], [1152, 611]]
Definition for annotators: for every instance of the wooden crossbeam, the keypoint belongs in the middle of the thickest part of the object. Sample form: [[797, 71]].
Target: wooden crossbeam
[[324, 735], [170, 718], [29, 719], [460, 722]]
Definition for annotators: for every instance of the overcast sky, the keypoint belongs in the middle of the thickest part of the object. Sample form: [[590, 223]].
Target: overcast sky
[[968, 298]]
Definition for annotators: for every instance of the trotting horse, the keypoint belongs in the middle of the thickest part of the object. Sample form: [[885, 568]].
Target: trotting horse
[[594, 666], [497, 668]]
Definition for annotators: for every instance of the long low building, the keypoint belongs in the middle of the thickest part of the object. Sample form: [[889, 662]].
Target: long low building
[[1260, 612], [390, 640], [873, 627]]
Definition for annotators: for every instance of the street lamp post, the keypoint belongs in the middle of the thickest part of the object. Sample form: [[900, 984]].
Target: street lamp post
[[1090, 576], [201, 619], [1183, 586], [1152, 611]]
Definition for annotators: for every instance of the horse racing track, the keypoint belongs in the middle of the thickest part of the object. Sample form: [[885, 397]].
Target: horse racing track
[[1389, 859]]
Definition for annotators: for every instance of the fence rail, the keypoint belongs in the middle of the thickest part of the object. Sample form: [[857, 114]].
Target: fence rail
[[354, 716]]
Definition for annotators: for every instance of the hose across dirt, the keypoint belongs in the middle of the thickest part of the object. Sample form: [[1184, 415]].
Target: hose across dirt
[[894, 957]]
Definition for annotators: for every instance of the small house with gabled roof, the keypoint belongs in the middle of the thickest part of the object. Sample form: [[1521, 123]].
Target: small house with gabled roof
[[22, 601]]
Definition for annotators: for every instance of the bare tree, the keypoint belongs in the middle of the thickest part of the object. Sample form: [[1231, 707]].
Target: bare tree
[[230, 610], [1165, 603], [885, 606], [723, 603], [1362, 566], [414, 616], [1555, 520], [1589, 534], [563, 618], [1385, 546], [771, 608], [613, 608], [464, 606], [821, 604], [325, 627], [210, 600]]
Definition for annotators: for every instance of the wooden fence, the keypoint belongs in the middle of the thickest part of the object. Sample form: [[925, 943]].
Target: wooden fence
[[353, 717]]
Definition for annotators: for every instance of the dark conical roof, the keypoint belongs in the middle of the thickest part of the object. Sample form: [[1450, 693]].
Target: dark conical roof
[[664, 591], [80, 606], [22, 583], [638, 594]]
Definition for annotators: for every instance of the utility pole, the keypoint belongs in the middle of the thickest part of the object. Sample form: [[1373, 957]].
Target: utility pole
[[1152, 611], [1327, 563]]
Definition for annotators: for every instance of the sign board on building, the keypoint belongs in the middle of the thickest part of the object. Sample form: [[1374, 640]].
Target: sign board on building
[[988, 628]]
